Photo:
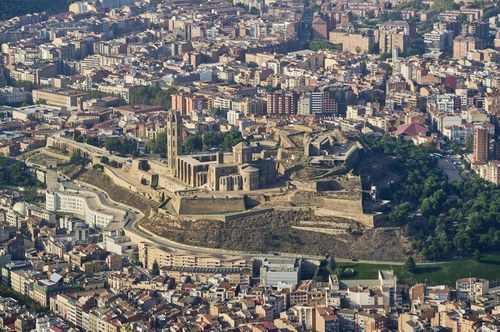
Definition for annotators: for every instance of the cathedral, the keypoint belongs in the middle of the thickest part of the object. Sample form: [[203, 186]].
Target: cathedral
[[236, 171]]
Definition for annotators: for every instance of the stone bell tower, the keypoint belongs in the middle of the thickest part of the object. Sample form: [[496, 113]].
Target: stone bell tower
[[174, 139]]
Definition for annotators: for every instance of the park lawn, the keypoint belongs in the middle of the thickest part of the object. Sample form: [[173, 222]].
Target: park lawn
[[487, 267]]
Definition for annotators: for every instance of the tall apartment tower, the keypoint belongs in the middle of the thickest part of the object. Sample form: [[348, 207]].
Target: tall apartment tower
[[462, 45], [481, 145], [174, 139], [317, 103], [281, 102]]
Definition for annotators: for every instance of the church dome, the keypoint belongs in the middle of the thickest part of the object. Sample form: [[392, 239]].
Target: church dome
[[20, 207]]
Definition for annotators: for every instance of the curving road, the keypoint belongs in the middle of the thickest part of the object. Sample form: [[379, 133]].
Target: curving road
[[133, 216]]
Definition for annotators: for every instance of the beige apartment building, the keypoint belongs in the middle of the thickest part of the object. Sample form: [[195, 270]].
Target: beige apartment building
[[389, 40], [60, 97], [187, 103], [462, 45], [149, 253], [352, 42], [394, 35], [21, 281], [481, 145]]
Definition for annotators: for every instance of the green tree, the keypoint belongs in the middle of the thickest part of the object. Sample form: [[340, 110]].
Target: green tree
[[193, 143], [457, 218], [231, 138], [332, 264], [414, 4], [394, 15], [75, 159], [463, 241], [112, 144], [433, 205], [317, 45], [152, 95], [34, 118], [321, 273], [494, 11], [155, 269], [469, 144], [121, 145], [417, 46], [98, 167], [25, 85], [444, 5], [164, 97], [410, 265], [9, 9], [30, 194], [339, 272], [385, 56], [22, 299], [254, 11], [212, 139], [3, 175], [93, 140], [400, 213], [18, 176], [159, 144], [374, 48]]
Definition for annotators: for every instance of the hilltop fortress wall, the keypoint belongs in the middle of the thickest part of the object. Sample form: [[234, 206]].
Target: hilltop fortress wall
[[194, 205]]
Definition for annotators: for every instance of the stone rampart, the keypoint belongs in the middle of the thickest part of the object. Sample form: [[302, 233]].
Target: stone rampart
[[186, 205]]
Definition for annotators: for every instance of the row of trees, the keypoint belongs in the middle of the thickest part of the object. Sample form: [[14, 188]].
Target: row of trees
[[316, 45], [194, 143], [121, 145], [158, 144], [326, 267], [152, 95], [77, 159], [9, 8], [444, 5], [92, 140], [455, 218], [14, 173], [212, 140], [32, 305]]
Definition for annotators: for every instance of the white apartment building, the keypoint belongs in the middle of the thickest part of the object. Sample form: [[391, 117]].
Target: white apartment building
[[65, 307], [311, 103], [455, 133], [471, 288], [233, 117], [445, 103], [437, 40], [85, 204], [120, 244]]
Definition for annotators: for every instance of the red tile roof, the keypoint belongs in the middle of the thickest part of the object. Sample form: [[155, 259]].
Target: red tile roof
[[411, 129]]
